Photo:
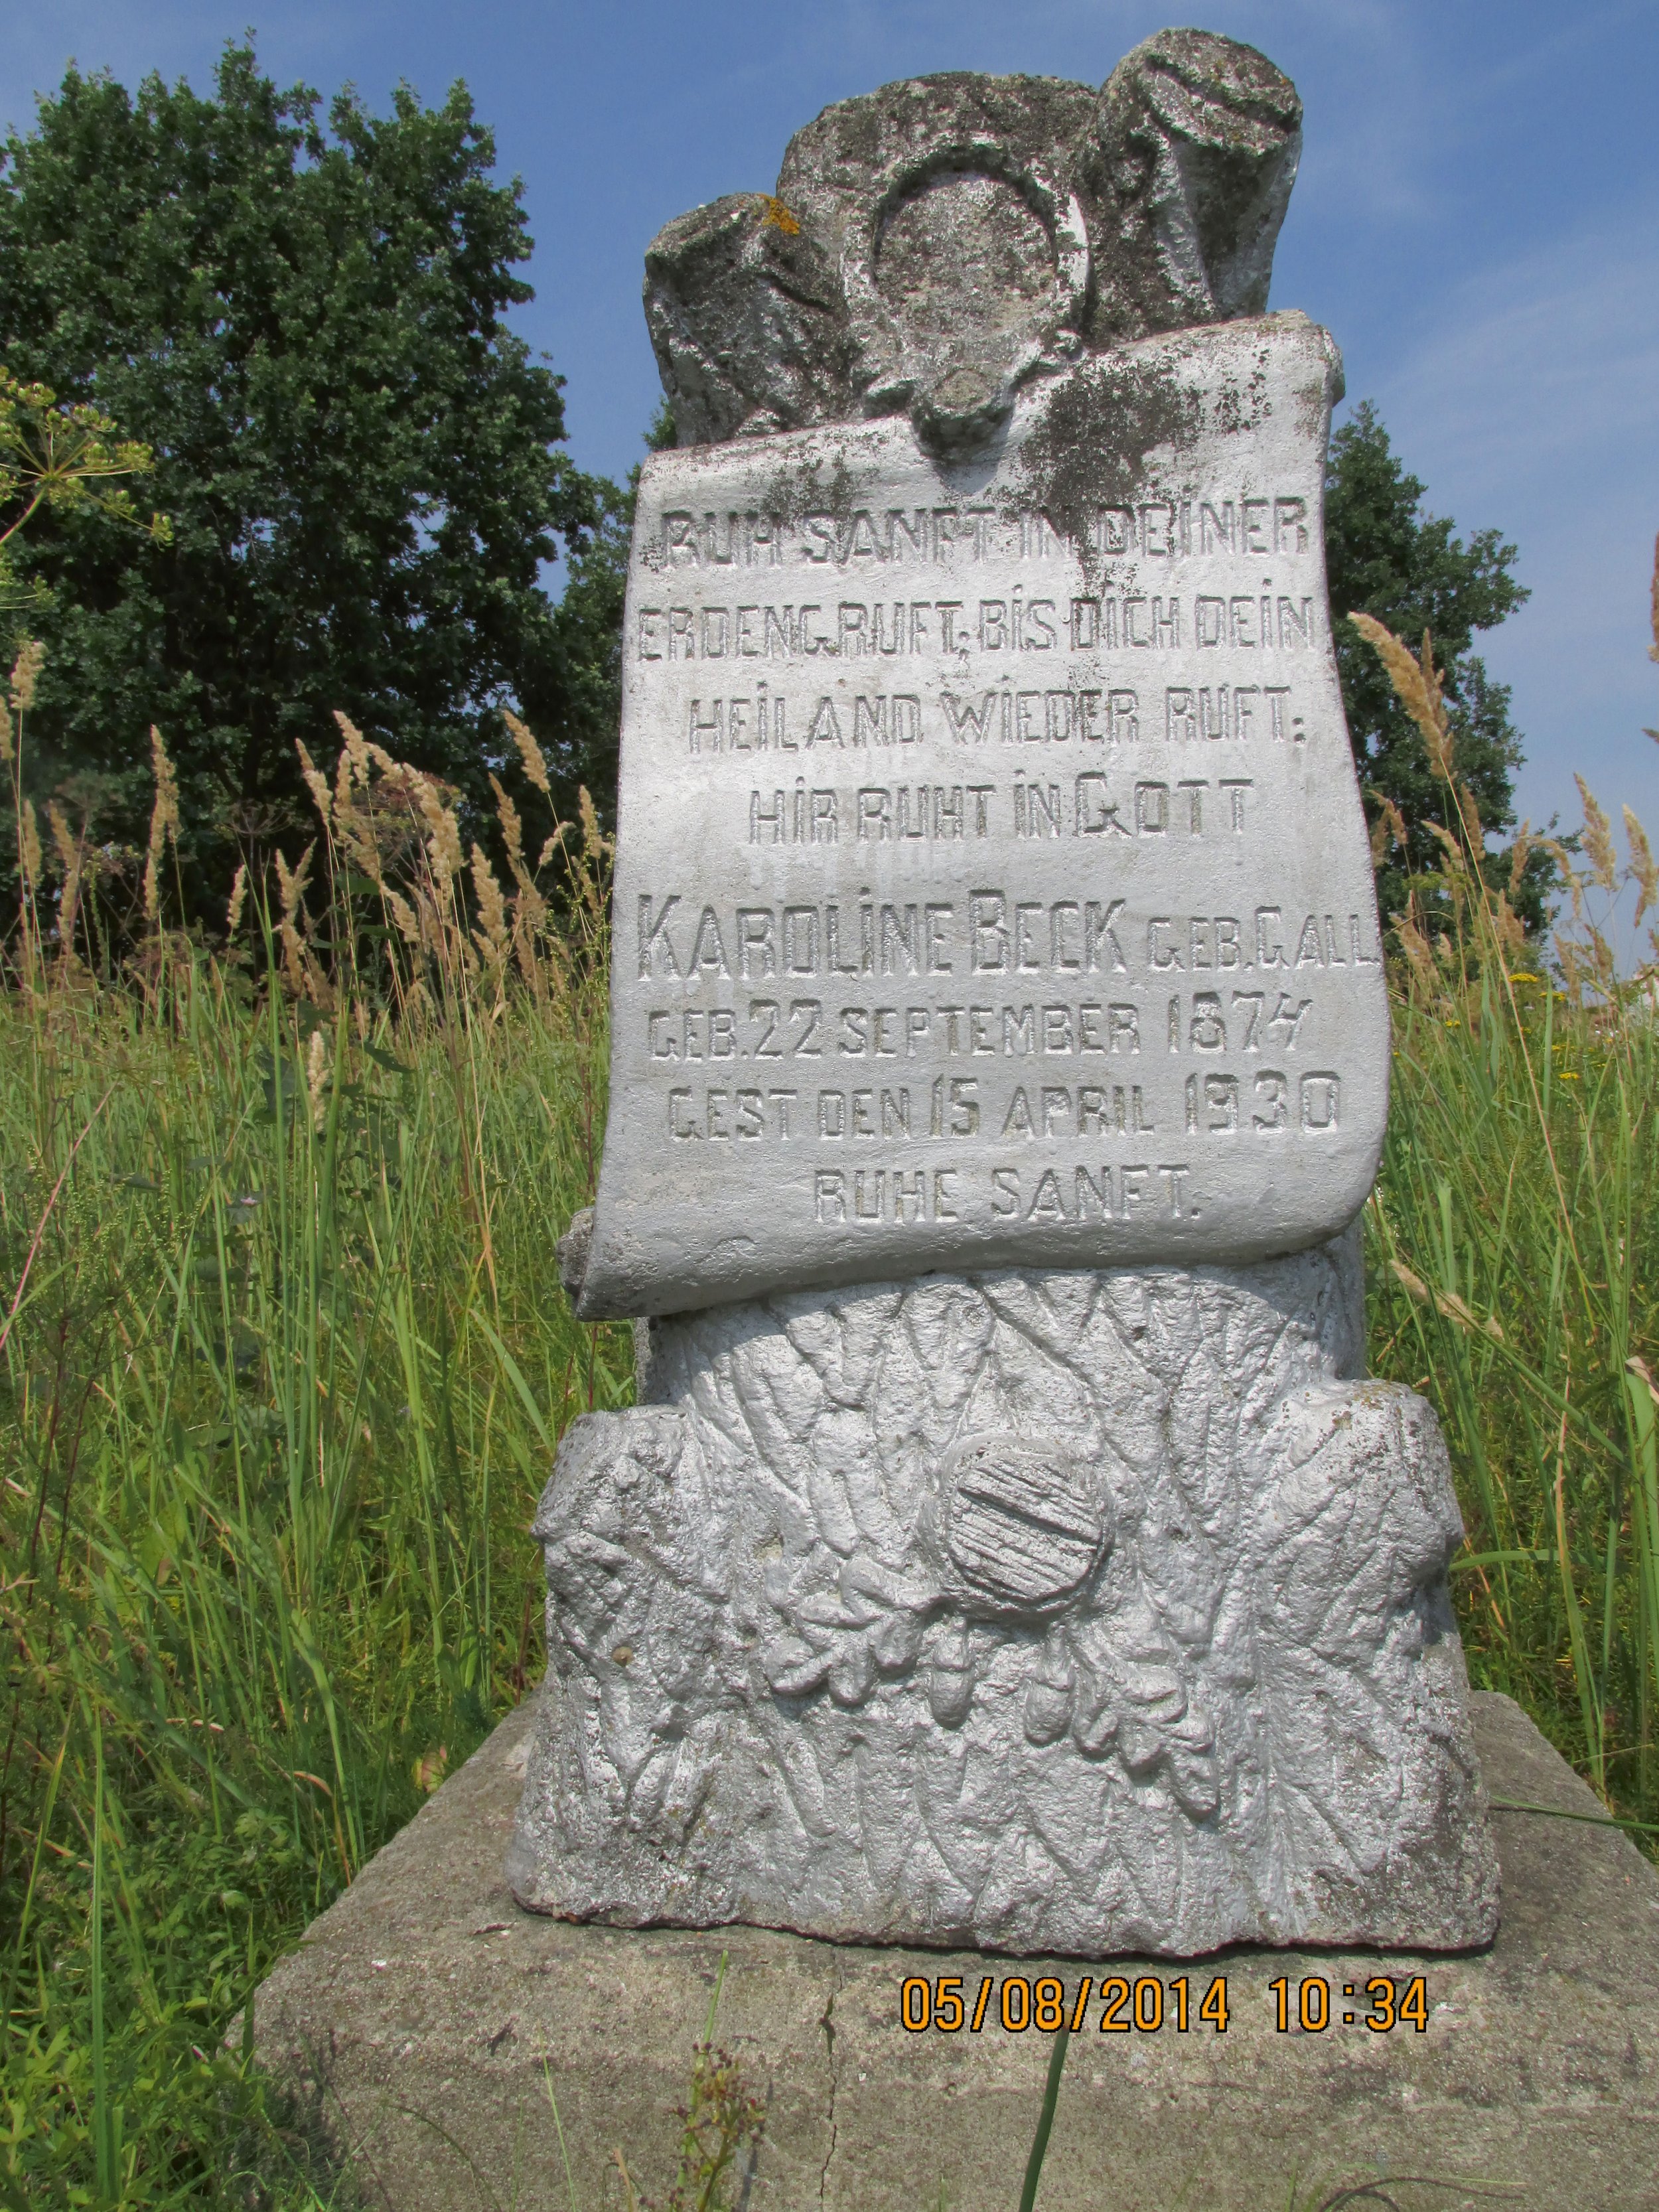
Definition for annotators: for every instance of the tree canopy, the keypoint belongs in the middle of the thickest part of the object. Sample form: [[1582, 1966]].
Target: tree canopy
[[589, 621], [360, 461], [1386, 556], [303, 321]]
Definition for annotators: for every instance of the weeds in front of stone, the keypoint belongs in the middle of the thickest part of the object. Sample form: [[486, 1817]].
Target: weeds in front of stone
[[282, 1374], [1045, 2120], [722, 2122]]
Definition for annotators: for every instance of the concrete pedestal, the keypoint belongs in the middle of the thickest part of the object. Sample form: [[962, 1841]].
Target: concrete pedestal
[[425, 2017]]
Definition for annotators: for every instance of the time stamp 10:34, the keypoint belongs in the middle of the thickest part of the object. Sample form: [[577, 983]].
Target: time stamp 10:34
[[1146, 2003]]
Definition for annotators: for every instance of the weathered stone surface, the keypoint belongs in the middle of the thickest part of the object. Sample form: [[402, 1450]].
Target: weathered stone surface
[[422, 2008], [747, 318], [996, 934], [948, 205], [1080, 1613], [1199, 138], [934, 246], [992, 886]]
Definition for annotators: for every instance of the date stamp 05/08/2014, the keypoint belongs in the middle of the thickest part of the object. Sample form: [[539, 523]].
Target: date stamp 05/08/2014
[[1147, 2003]]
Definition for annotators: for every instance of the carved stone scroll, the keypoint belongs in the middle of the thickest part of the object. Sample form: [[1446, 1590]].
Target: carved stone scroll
[[993, 888]]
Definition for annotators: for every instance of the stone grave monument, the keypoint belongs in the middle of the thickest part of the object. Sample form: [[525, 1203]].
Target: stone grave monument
[[1007, 1549]]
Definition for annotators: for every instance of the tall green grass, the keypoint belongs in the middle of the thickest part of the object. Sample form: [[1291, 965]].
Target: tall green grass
[[282, 1379], [284, 1363], [1513, 1238]]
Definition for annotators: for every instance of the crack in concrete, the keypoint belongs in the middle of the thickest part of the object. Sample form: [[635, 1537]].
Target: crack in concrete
[[827, 2022]]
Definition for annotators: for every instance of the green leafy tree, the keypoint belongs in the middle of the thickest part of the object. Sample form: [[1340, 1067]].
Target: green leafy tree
[[582, 745], [305, 324], [1386, 556], [580, 734]]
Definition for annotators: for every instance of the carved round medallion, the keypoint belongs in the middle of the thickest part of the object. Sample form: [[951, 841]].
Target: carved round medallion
[[963, 252], [1021, 1520]]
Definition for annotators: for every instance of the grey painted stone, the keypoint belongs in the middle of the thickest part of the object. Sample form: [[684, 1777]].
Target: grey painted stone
[[1080, 1613], [424, 2007], [991, 886], [948, 202], [1007, 1552]]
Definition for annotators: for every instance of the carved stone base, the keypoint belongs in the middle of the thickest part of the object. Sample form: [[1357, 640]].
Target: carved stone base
[[1044, 1612]]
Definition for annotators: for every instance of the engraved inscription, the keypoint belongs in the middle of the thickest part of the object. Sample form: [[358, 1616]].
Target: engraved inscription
[[931, 630], [1254, 526], [993, 883], [985, 931]]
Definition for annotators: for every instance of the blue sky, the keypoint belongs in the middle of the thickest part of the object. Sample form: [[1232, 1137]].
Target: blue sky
[[1477, 221]]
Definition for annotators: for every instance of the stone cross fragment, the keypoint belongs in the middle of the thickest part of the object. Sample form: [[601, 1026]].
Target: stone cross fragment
[[1004, 1549]]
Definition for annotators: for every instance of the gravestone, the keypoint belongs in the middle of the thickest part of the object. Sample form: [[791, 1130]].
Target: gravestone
[[1006, 1550]]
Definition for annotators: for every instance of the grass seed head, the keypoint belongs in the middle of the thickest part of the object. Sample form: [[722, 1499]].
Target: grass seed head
[[26, 674], [69, 866], [291, 883], [163, 821], [512, 828], [444, 838], [166, 810], [1456, 864], [404, 914], [1511, 931], [1415, 946], [67, 852], [492, 935], [356, 746], [1598, 839], [1417, 684], [535, 766], [1642, 866], [316, 1079], [1569, 874], [316, 783], [595, 844], [237, 895], [28, 847]]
